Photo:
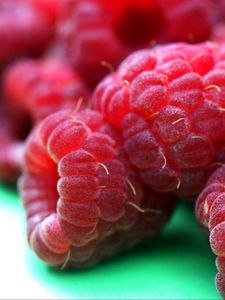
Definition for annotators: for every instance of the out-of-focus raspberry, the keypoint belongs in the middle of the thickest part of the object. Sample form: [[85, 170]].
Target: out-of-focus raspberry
[[99, 34], [24, 30], [41, 87]]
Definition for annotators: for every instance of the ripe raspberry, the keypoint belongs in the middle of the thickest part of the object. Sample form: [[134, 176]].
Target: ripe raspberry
[[169, 105], [77, 190], [40, 87], [210, 212], [96, 31], [23, 30]]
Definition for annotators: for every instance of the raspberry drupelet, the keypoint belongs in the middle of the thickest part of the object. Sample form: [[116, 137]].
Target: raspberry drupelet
[[40, 87], [100, 33], [168, 103], [81, 193], [210, 212]]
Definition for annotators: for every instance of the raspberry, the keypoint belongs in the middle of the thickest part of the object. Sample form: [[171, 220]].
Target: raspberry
[[40, 87], [79, 189], [104, 32], [210, 212], [23, 30], [169, 105]]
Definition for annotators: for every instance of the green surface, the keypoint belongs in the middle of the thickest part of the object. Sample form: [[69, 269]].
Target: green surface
[[177, 265]]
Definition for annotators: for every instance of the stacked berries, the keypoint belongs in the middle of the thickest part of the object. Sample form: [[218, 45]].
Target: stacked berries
[[103, 162]]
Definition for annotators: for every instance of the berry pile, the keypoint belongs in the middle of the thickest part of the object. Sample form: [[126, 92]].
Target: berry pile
[[102, 162]]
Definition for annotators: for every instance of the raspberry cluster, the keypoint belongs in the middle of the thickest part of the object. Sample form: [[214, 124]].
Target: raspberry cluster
[[104, 160]]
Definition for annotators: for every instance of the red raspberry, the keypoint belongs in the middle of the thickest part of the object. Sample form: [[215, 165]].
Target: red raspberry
[[104, 32], [210, 212], [23, 30], [77, 190], [169, 104], [41, 87]]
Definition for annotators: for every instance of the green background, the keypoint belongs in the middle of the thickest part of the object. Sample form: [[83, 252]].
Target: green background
[[176, 265]]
